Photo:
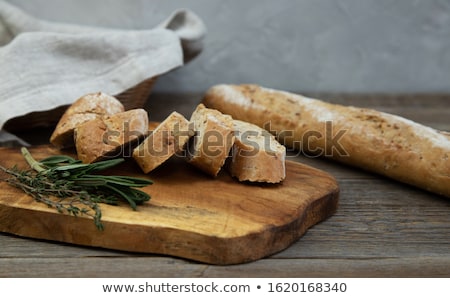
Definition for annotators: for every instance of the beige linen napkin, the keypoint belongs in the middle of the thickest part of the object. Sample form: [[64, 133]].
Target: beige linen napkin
[[45, 64]]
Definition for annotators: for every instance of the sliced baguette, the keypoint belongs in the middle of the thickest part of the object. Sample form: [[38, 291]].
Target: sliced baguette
[[86, 108], [213, 139], [167, 139], [380, 142], [110, 136], [256, 155]]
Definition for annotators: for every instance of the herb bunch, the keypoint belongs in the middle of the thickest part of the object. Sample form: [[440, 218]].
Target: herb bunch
[[71, 187]]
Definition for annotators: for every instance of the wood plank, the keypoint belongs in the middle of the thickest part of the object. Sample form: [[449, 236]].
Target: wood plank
[[338, 267], [360, 240], [429, 109], [100, 267], [361, 224], [176, 268], [424, 106], [190, 215], [16, 246]]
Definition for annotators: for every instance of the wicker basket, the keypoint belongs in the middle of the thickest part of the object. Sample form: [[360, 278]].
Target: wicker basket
[[132, 98], [136, 97]]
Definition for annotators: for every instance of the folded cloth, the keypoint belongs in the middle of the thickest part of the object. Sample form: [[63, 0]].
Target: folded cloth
[[46, 64]]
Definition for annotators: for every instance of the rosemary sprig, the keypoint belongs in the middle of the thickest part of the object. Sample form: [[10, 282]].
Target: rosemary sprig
[[66, 184]]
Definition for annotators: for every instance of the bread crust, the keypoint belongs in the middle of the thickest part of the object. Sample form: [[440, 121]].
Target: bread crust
[[86, 108], [380, 142], [167, 139], [110, 136], [256, 155], [213, 139]]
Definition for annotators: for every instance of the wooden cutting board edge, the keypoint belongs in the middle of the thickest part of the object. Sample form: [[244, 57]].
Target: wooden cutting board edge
[[224, 251], [232, 250]]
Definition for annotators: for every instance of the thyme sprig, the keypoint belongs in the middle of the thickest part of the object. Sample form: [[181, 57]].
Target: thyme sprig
[[71, 187]]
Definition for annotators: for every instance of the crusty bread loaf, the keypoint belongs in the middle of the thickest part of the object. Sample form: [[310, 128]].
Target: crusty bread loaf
[[110, 136], [256, 155], [166, 139], [87, 107], [369, 139], [213, 139]]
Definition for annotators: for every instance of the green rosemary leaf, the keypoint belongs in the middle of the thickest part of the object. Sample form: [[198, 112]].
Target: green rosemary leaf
[[136, 182], [57, 160], [122, 180], [139, 196], [73, 167], [66, 184], [111, 200], [90, 181], [106, 164], [123, 193]]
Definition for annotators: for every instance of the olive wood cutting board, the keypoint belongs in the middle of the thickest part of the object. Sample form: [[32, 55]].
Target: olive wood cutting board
[[191, 215]]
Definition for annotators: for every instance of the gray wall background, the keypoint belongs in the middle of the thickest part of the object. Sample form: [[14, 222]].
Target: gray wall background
[[301, 45]]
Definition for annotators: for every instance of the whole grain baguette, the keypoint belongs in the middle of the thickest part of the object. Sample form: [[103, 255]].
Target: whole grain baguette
[[209, 148], [87, 107], [168, 138], [256, 155], [110, 136], [380, 142]]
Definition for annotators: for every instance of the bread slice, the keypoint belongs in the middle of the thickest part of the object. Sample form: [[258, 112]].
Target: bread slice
[[110, 136], [87, 107], [376, 141], [167, 139], [213, 139], [256, 155]]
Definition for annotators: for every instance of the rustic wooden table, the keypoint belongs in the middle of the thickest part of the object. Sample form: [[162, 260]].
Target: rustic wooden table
[[382, 228]]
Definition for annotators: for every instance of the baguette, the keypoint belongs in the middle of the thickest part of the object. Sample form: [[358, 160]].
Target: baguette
[[86, 108], [110, 136], [167, 138], [213, 139], [380, 142], [256, 155]]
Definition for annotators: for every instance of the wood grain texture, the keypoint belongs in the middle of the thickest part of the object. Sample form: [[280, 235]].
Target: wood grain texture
[[382, 228], [191, 215], [163, 267]]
